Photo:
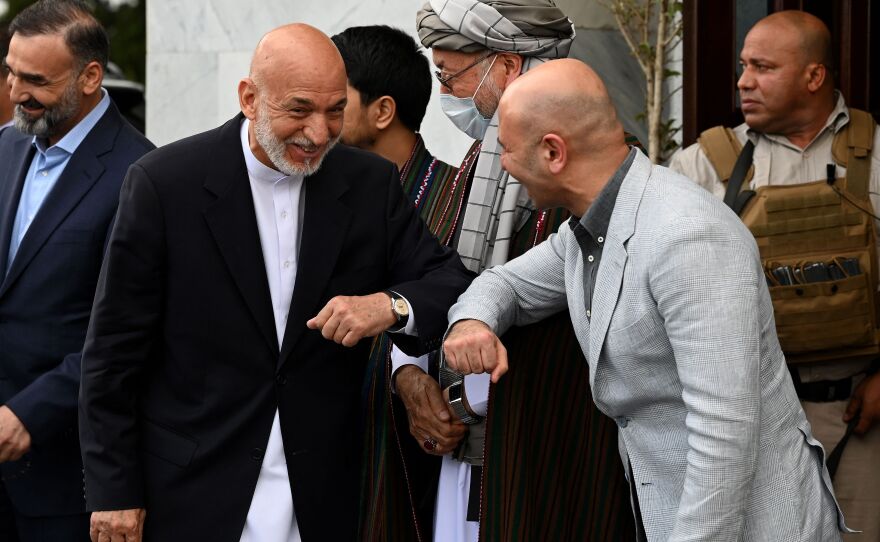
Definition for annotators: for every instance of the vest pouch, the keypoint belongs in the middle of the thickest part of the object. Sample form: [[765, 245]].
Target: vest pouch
[[824, 315], [810, 222]]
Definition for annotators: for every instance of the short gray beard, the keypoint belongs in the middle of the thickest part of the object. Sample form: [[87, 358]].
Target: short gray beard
[[47, 124], [488, 106], [276, 149]]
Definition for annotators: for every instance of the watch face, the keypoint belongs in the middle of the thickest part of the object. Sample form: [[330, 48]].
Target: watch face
[[400, 307], [455, 392]]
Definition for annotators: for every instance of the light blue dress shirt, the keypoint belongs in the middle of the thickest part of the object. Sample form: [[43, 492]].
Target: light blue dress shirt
[[46, 167]]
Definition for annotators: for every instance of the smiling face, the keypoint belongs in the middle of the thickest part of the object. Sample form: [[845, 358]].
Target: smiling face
[[44, 85], [297, 131], [295, 99], [775, 78], [520, 156]]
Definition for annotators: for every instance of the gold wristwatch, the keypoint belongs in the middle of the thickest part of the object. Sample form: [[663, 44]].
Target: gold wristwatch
[[400, 309]]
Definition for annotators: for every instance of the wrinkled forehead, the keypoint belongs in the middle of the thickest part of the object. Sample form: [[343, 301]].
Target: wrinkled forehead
[[453, 61], [771, 40], [291, 91], [46, 54]]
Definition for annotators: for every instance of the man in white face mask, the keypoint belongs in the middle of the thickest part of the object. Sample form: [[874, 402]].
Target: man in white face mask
[[548, 470], [465, 113]]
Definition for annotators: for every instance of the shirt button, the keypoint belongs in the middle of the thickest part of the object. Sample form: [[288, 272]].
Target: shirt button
[[601, 239], [590, 258], [44, 173], [589, 313], [283, 214], [286, 264]]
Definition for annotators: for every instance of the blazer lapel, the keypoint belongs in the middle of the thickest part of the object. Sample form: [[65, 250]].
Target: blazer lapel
[[81, 173], [233, 224], [325, 224], [614, 256], [18, 158]]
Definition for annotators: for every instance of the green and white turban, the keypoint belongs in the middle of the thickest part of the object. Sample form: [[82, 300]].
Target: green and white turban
[[535, 28]]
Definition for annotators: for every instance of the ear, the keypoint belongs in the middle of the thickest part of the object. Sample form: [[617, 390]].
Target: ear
[[382, 112], [91, 77], [554, 152], [816, 74], [512, 65], [247, 97]]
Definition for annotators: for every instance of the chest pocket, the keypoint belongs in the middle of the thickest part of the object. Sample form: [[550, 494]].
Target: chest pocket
[[645, 336]]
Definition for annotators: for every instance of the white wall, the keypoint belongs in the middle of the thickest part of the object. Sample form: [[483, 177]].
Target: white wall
[[197, 50]]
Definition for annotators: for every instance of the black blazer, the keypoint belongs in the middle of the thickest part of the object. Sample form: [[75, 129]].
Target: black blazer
[[45, 301], [182, 373]]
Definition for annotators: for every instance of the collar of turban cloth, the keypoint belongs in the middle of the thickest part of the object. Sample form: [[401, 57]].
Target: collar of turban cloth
[[534, 28]]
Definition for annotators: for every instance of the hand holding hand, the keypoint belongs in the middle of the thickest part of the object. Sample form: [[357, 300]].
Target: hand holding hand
[[15, 440], [346, 320], [118, 525], [472, 347], [429, 414], [865, 402]]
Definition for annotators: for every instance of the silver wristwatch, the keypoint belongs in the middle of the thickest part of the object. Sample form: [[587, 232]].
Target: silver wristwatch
[[453, 383], [457, 402]]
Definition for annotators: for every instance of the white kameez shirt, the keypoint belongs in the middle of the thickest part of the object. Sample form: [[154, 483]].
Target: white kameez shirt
[[278, 202], [277, 198]]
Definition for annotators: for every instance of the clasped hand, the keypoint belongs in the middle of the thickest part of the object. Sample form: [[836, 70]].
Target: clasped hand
[[472, 347], [346, 320], [15, 440], [117, 525]]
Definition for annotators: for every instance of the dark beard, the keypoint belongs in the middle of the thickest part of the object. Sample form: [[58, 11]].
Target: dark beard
[[46, 125]]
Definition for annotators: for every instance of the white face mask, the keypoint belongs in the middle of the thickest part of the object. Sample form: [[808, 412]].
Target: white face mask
[[463, 112]]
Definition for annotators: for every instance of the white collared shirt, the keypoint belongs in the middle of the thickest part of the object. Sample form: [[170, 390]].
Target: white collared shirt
[[277, 202]]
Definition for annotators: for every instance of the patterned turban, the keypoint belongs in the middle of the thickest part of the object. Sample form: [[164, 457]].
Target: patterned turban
[[531, 28]]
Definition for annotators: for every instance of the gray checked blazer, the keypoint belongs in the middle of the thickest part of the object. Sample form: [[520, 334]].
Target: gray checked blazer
[[683, 355]]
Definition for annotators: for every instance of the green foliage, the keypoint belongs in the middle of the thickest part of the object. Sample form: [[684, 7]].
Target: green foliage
[[126, 25], [651, 29]]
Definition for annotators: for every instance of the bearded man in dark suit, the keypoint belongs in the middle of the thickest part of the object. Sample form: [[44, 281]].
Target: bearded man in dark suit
[[223, 365], [61, 168]]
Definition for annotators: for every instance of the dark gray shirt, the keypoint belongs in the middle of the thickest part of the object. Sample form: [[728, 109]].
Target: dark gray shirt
[[591, 230]]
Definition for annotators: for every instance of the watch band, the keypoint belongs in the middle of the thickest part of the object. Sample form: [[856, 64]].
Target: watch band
[[457, 402], [453, 383]]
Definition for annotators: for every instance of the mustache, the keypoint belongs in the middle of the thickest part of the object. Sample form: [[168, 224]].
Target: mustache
[[32, 103], [305, 143]]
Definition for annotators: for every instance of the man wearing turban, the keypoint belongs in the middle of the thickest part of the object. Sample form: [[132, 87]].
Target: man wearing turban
[[538, 461]]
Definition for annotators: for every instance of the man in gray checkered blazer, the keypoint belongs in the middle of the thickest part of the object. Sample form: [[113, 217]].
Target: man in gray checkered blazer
[[670, 304]]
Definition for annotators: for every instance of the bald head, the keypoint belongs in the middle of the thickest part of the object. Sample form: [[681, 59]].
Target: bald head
[[560, 134], [802, 32], [293, 50], [566, 97]]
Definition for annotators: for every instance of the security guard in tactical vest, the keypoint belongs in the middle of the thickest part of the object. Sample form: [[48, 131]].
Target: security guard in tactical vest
[[801, 174]]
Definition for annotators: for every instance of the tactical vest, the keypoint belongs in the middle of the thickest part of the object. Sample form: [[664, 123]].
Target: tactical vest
[[817, 243]]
